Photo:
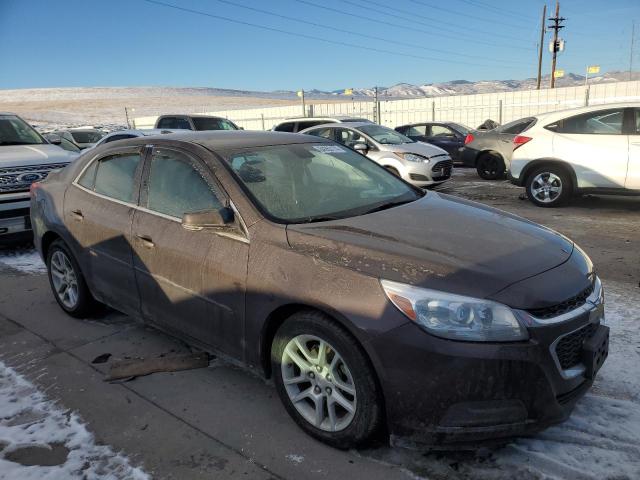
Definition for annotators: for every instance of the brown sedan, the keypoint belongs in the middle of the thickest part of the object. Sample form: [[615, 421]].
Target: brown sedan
[[366, 298]]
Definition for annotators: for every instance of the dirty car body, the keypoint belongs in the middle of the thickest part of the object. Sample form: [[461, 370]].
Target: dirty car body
[[399, 277]]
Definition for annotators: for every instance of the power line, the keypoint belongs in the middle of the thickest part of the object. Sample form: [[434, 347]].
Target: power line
[[437, 7], [349, 32], [437, 23], [306, 36], [400, 26], [477, 4]]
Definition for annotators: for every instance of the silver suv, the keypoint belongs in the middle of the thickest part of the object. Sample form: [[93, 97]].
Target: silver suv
[[25, 157], [418, 163], [295, 125]]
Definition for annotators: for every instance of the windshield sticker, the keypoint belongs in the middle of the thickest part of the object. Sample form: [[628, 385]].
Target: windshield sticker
[[329, 149]]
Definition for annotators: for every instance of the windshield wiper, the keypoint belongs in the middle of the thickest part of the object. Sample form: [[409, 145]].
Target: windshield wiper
[[386, 206], [323, 218]]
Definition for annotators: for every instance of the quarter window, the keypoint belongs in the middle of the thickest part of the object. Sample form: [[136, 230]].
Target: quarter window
[[285, 127], [176, 186], [441, 131], [115, 176]]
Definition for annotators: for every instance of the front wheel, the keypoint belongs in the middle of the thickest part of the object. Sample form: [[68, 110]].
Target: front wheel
[[325, 381], [549, 186]]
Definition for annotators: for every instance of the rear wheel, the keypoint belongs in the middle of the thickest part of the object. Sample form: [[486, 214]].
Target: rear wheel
[[490, 166], [325, 381], [67, 282], [549, 186]]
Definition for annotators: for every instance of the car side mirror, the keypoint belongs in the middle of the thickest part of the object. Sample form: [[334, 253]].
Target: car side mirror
[[208, 219], [54, 139], [361, 148]]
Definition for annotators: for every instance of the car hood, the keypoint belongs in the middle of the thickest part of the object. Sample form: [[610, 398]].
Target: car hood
[[439, 242], [21, 155], [421, 148]]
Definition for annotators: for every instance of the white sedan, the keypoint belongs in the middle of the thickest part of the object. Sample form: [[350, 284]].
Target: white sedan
[[586, 150]]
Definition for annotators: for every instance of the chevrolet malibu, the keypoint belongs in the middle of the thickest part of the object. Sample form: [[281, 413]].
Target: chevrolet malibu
[[362, 296]]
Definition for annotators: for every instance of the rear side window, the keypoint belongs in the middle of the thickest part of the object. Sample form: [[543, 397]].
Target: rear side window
[[175, 123], [308, 124], [415, 131], [177, 186], [603, 122], [322, 132], [285, 127], [204, 123], [115, 176]]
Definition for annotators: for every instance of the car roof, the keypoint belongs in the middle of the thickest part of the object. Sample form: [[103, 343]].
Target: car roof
[[235, 139], [559, 114], [146, 131], [340, 118], [189, 115], [341, 125]]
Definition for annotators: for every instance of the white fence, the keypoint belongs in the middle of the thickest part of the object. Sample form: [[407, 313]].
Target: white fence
[[471, 110]]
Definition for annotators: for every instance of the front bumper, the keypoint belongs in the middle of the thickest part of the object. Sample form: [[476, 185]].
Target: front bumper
[[14, 214], [439, 391]]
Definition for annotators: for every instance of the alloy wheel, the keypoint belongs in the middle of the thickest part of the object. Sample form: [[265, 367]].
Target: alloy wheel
[[546, 187], [318, 383], [64, 279]]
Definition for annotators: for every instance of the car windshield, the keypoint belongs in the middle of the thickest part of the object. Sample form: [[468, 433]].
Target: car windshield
[[384, 135], [213, 124], [316, 182], [86, 137], [15, 131]]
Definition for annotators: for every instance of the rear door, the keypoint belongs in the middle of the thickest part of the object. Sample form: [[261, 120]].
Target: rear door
[[595, 145], [633, 171], [191, 282], [98, 210], [446, 138]]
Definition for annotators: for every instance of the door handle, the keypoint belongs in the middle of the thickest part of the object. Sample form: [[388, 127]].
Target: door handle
[[146, 241], [77, 215]]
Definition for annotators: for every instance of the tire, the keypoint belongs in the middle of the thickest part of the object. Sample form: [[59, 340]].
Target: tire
[[63, 269], [327, 387], [393, 170], [490, 166], [549, 186]]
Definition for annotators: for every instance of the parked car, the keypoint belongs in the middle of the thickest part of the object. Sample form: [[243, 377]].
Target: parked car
[[586, 150], [132, 133], [418, 163], [56, 139], [295, 125], [81, 137], [25, 157], [365, 298], [490, 151], [449, 136], [194, 122]]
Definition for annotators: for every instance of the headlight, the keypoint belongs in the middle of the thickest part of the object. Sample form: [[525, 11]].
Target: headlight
[[413, 157], [455, 316]]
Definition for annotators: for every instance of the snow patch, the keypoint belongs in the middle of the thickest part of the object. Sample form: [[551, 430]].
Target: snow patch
[[31, 422], [25, 261]]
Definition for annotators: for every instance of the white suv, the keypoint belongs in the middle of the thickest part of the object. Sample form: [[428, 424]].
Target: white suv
[[586, 150]]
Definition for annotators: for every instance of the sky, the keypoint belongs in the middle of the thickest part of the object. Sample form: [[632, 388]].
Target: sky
[[300, 44]]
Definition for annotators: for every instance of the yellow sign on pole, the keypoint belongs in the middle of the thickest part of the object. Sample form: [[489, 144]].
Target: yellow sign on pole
[[558, 74], [348, 91], [593, 69], [300, 93]]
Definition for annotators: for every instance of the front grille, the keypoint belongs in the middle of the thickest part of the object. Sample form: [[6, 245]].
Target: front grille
[[442, 169], [19, 179], [564, 307], [418, 178], [569, 348]]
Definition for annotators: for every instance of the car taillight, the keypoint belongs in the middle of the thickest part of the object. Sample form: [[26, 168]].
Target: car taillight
[[468, 138], [520, 140], [33, 187]]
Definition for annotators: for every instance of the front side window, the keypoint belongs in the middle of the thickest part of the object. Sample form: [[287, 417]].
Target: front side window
[[177, 185], [115, 176], [203, 123], [416, 131], [177, 123], [15, 131], [603, 122], [87, 137], [315, 182], [384, 135], [322, 132], [349, 137]]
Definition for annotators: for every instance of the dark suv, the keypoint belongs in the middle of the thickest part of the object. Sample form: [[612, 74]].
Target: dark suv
[[194, 122], [365, 298]]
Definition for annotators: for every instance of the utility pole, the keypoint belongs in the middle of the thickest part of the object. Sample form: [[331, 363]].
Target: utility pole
[[544, 17], [633, 34], [376, 117], [557, 20]]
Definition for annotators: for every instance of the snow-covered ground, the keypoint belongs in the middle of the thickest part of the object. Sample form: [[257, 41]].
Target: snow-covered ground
[[39, 440], [601, 440]]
